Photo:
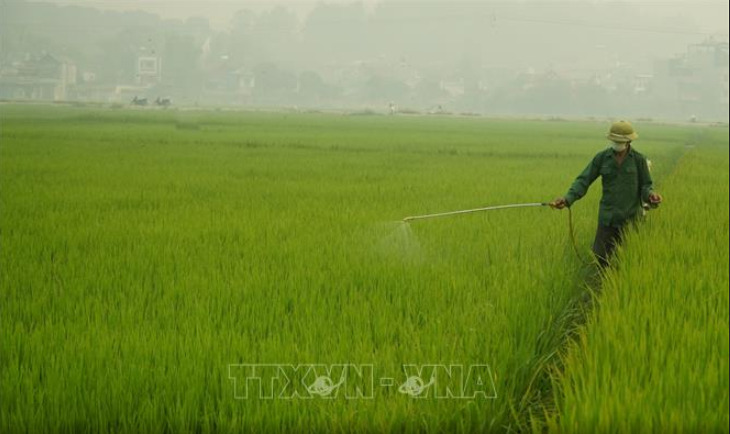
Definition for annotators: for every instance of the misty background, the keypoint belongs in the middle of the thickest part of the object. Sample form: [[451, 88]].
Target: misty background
[[640, 59]]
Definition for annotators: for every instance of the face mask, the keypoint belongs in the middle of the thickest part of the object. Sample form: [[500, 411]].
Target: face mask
[[618, 147]]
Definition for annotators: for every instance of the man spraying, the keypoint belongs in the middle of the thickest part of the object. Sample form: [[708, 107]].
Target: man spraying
[[627, 184]]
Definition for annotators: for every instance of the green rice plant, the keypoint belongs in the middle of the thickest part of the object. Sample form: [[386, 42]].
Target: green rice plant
[[654, 354], [139, 260]]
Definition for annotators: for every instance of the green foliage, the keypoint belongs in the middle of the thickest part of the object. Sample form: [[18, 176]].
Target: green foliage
[[654, 355], [141, 256]]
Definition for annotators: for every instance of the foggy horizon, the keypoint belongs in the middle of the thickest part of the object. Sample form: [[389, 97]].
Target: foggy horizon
[[526, 57], [218, 11]]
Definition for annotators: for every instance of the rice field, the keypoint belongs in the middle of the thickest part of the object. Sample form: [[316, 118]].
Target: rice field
[[654, 357], [148, 258]]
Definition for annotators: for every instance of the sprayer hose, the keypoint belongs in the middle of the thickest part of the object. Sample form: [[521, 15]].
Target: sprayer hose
[[571, 232]]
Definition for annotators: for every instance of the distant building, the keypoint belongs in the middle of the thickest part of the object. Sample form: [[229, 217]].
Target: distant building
[[246, 81], [454, 87], [642, 83], [44, 78], [696, 82], [149, 70]]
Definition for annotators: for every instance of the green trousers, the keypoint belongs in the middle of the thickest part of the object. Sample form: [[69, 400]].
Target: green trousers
[[606, 241]]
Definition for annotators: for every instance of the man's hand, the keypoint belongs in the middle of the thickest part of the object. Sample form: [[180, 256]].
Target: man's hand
[[655, 198], [559, 203]]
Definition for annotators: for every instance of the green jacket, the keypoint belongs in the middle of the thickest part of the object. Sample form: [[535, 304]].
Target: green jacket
[[624, 187]]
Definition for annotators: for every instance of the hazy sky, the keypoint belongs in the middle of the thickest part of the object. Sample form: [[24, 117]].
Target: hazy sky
[[711, 16], [418, 50]]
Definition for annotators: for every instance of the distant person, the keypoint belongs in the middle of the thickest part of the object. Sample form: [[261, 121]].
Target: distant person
[[627, 184], [392, 108]]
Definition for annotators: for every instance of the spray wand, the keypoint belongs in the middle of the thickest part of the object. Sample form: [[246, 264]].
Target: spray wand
[[467, 211], [513, 205]]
